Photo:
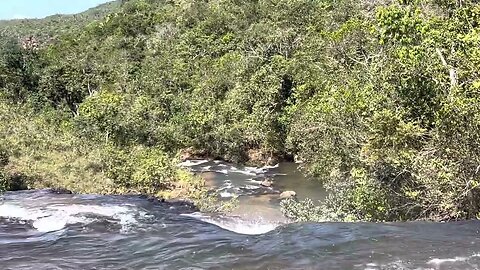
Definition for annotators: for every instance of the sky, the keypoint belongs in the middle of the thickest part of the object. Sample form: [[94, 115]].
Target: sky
[[21, 9]]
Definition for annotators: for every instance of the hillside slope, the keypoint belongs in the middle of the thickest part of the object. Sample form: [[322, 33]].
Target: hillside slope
[[379, 99], [55, 25]]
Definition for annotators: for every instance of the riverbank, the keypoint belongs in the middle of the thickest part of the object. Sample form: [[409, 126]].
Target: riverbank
[[40, 151], [245, 185], [233, 190], [43, 230], [379, 99]]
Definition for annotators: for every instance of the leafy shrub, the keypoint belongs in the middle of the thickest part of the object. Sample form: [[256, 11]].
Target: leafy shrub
[[3, 157], [379, 99], [140, 170], [3, 181]]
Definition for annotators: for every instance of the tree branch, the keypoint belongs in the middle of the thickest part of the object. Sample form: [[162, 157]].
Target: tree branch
[[452, 71]]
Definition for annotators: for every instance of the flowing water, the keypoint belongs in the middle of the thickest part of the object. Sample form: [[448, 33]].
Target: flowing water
[[257, 204], [46, 230]]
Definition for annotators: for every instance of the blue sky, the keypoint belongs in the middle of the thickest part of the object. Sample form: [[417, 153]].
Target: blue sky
[[20, 9]]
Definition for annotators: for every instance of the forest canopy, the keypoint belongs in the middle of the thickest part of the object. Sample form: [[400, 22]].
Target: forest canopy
[[379, 99]]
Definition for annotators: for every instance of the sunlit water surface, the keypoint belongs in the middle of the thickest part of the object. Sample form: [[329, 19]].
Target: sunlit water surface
[[46, 230]]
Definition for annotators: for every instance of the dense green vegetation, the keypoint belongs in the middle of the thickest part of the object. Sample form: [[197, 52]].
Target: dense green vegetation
[[379, 99], [398, 139]]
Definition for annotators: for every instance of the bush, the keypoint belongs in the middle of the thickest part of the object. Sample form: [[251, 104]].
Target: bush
[[3, 181], [378, 98], [139, 170], [3, 157], [4, 185]]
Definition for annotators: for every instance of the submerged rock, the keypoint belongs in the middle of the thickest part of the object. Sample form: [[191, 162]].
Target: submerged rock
[[179, 205], [60, 191], [288, 194], [266, 183]]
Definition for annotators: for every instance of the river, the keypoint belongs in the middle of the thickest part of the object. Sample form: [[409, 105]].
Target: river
[[46, 230]]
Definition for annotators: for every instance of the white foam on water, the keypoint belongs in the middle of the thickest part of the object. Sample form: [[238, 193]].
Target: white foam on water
[[261, 170], [438, 261], [271, 167], [254, 181], [251, 171], [226, 194], [398, 264], [237, 225], [17, 212], [191, 163], [225, 171], [371, 266], [54, 223], [57, 217], [207, 168], [226, 185], [251, 187]]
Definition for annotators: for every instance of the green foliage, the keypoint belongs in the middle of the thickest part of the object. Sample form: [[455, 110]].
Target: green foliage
[[44, 151], [101, 114], [412, 151], [303, 211], [3, 157], [17, 73], [3, 176], [146, 171], [3, 182], [377, 98]]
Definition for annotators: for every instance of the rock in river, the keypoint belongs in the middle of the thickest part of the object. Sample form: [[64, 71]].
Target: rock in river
[[288, 194], [266, 183]]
